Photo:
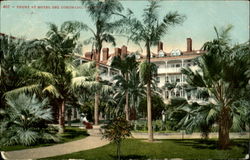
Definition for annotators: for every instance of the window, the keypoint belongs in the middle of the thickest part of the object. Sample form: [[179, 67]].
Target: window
[[158, 79], [177, 80], [176, 52], [177, 94], [166, 79], [172, 65], [166, 95], [178, 65], [172, 79], [184, 78], [161, 54]]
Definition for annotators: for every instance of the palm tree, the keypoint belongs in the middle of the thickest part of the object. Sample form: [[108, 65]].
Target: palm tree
[[11, 51], [49, 73], [60, 44], [149, 31], [25, 121], [126, 66], [84, 83], [137, 92], [222, 71], [101, 13]]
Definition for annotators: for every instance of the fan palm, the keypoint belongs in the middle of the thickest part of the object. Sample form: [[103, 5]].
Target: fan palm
[[101, 13], [223, 73], [24, 121], [149, 31]]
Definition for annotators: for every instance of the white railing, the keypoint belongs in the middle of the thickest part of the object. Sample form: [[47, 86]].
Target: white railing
[[173, 70], [161, 70]]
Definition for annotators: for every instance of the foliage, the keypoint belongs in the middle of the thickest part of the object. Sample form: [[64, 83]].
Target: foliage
[[158, 125], [116, 130], [147, 71], [25, 121], [149, 30], [127, 85], [102, 14], [13, 58], [222, 72], [158, 106], [71, 134], [41, 65]]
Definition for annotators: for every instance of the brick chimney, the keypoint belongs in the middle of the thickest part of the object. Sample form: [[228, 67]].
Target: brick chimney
[[189, 44], [124, 51], [160, 46], [117, 52], [105, 54], [88, 55]]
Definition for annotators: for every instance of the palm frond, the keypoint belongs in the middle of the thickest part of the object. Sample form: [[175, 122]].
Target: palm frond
[[52, 90], [26, 89]]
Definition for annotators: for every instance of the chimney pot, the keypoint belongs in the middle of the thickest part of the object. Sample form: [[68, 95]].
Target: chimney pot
[[189, 45], [117, 52], [124, 51], [105, 54], [160, 46]]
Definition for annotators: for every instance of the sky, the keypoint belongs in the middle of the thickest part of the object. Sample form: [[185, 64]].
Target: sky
[[21, 19]]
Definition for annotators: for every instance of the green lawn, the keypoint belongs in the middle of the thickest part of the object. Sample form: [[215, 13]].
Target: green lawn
[[188, 149], [71, 134]]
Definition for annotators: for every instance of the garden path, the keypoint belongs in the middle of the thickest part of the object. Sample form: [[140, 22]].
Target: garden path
[[90, 142]]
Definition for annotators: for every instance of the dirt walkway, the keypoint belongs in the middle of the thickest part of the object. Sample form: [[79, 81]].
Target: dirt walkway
[[90, 142]]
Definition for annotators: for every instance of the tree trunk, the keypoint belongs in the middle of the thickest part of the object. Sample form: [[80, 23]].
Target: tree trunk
[[149, 110], [69, 117], [149, 105], [126, 103], [224, 126], [126, 107], [61, 117], [96, 109], [97, 96]]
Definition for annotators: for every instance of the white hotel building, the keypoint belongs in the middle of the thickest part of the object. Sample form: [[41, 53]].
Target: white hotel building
[[169, 69], [169, 66]]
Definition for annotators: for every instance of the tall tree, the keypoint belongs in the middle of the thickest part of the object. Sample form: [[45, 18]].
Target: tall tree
[[48, 73], [150, 30], [223, 73], [101, 13], [60, 43], [126, 66]]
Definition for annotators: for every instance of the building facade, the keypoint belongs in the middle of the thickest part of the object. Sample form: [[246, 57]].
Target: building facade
[[169, 70], [169, 67]]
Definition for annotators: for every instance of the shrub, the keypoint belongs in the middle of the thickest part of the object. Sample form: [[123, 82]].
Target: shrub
[[25, 120], [115, 131]]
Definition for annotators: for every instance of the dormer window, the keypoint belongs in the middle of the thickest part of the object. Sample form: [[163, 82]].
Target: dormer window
[[161, 53], [176, 52]]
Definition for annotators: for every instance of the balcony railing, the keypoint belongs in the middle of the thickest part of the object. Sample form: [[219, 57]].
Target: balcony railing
[[173, 70]]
